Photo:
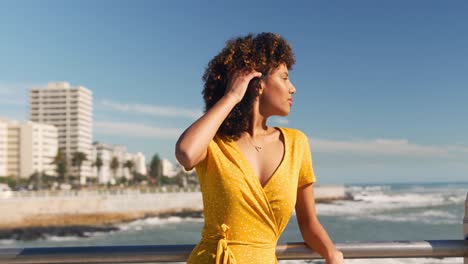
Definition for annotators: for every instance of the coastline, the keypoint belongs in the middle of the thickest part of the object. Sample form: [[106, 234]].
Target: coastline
[[399, 213], [80, 225], [78, 214]]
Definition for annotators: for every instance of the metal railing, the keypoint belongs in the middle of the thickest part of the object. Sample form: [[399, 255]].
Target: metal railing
[[179, 253]]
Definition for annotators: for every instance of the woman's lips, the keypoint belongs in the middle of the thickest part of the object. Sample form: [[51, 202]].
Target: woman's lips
[[290, 101]]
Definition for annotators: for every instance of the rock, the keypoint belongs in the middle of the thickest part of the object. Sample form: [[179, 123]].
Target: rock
[[35, 233]]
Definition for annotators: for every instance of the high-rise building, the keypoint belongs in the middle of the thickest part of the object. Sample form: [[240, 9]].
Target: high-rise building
[[69, 108], [27, 148]]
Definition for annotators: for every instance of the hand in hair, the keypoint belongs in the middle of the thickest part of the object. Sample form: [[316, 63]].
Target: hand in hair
[[238, 83]]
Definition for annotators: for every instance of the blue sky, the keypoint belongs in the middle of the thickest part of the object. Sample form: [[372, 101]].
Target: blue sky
[[381, 85]]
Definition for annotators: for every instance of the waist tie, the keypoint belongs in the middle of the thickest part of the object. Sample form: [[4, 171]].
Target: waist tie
[[223, 249], [224, 255]]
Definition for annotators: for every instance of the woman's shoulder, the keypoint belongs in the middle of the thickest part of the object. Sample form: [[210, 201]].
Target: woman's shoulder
[[293, 133]]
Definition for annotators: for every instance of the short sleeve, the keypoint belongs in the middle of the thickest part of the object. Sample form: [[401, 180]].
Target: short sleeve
[[306, 172], [202, 166]]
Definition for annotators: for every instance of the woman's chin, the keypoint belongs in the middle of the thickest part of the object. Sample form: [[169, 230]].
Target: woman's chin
[[280, 112], [283, 114]]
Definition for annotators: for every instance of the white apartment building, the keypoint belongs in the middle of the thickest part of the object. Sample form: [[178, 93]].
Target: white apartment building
[[168, 168], [3, 148], [26, 148], [13, 149], [69, 108], [140, 163], [107, 153]]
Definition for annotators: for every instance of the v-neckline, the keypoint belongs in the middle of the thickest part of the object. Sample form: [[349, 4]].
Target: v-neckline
[[249, 165]]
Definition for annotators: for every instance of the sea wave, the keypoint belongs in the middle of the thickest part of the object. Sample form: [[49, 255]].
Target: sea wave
[[62, 238], [413, 196], [421, 217], [7, 241], [383, 203], [157, 221], [368, 188]]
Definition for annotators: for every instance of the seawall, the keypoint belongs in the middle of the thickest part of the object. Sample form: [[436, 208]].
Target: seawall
[[102, 208]]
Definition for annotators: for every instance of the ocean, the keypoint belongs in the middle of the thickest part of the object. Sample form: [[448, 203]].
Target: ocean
[[380, 212]]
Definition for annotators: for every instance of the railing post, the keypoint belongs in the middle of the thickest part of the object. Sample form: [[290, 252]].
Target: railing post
[[465, 226]]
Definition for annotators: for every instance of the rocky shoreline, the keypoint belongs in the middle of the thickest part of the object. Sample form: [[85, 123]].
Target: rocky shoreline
[[31, 218], [107, 224], [37, 233], [82, 225]]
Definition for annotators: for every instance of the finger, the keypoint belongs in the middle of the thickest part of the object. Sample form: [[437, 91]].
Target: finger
[[245, 75], [254, 74]]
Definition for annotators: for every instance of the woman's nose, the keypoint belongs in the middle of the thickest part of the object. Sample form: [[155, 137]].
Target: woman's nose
[[292, 89]]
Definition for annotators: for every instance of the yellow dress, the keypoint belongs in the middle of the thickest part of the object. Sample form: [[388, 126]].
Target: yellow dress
[[244, 220]]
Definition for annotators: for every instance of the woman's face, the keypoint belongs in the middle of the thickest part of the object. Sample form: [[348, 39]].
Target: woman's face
[[276, 98]]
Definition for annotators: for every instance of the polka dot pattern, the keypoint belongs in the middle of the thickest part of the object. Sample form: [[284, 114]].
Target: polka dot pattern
[[244, 220]]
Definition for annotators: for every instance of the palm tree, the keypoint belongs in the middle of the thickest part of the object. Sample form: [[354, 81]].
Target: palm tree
[[77, 160], [61, 165], [114, 166], [98, 164], [130, 165], [156, 169]]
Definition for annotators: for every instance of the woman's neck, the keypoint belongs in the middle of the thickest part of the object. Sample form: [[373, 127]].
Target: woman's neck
[[258, 125]]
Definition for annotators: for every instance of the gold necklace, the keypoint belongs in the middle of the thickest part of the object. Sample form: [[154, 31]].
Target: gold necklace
[[257, 147]]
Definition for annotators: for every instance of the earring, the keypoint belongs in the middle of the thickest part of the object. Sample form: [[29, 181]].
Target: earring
[[260, 92]]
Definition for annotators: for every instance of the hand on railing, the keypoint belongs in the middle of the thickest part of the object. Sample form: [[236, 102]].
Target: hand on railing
[[335, 258]]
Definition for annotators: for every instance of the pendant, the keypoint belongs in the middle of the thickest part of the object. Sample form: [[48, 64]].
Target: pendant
[[258, 148]]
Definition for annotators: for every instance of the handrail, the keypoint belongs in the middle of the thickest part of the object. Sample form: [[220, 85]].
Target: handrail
[[179, 253]]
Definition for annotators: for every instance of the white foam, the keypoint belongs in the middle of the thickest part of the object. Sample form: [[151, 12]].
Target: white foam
[[382, 204], [413, 217], [7, 241], [157, 221], [406, 200], [62, 238], [98, 234], [369, 188], [457, 199], [438, 213]]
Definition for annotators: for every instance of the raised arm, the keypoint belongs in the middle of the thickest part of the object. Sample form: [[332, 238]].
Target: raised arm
[[312, 231], [193, 143]]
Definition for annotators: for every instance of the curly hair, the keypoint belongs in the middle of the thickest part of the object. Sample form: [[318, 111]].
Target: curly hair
[[262, 52]]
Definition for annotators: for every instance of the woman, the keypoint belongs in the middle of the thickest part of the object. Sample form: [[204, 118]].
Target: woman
[[251, 175]]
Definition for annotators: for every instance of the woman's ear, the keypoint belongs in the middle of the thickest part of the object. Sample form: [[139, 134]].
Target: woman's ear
[[262, 84], [262, 87]]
